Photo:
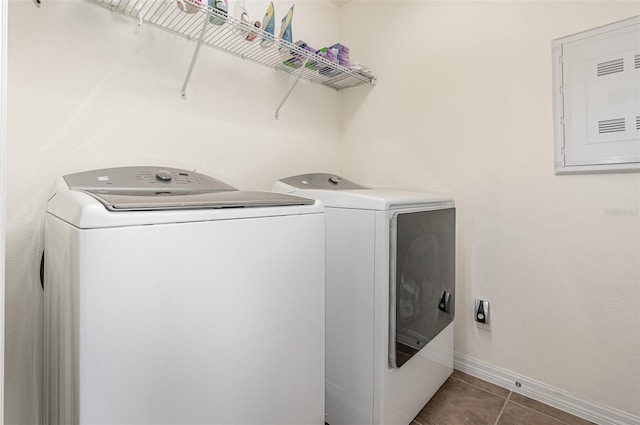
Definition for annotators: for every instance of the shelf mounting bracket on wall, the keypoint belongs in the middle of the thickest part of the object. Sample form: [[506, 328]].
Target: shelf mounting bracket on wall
[[183, 92], [292, 85]]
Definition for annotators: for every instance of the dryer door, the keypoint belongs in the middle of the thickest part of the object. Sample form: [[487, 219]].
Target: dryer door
[[422, 279]]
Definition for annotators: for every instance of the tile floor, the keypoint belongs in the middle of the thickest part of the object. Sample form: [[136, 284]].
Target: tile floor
[[465, 400]]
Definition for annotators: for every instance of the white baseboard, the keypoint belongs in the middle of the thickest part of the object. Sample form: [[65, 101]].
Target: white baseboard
[[560, 399]]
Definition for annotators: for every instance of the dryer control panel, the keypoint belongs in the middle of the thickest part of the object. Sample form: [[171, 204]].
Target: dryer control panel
[[321, 181]]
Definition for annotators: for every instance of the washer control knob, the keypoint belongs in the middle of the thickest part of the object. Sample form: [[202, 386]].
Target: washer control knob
[[334, 180], [164, 175]]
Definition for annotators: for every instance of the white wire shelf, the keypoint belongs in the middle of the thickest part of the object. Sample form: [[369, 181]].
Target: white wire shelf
[[230, 37]]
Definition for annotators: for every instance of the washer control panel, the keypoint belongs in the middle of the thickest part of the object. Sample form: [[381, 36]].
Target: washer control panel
[[321, 181], [145, 180], [164, 175]]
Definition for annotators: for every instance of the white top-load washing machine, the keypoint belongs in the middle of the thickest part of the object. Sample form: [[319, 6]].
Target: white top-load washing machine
[[173, 298], [389, 300]]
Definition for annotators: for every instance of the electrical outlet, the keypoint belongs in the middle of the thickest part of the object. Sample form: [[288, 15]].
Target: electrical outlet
[[481, 313]]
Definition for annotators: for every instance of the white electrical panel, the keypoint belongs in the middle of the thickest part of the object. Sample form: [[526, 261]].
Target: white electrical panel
[[597, 99]]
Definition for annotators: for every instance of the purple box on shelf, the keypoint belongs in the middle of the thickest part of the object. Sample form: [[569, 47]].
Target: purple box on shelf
[[297, 58], [329, 72], [311, 64], [342, 49], [344, 60], [328, 54]]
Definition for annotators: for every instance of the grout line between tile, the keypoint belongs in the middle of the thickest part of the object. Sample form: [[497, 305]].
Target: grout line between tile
[[503, 407], [541, 413], [480, 388]]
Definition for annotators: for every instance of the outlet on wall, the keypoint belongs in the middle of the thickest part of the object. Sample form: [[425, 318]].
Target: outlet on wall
[[481, 313]]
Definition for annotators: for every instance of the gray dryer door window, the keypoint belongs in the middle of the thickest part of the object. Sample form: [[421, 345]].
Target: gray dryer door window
[[422, 280]]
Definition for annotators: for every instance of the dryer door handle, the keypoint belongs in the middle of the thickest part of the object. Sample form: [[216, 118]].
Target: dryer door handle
[[445, 302]]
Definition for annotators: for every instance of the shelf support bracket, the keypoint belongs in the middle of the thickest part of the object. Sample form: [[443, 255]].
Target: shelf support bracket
[[183, 92], [292, 85]]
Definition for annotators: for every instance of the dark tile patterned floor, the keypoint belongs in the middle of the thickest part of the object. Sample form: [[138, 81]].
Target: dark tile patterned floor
[[465, 400]]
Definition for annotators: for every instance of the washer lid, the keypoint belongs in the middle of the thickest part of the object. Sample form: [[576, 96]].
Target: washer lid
[[162, 188], [223, 199]]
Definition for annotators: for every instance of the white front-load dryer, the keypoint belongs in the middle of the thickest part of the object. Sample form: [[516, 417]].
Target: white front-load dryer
[[173, 298], [390, 297]]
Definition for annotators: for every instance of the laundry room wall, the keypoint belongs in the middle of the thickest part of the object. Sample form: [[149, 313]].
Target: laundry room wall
[[464, 104], [90, 89]]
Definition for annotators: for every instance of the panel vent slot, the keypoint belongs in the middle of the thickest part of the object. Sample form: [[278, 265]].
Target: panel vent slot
[[638, 123], [611, 126], [637, 61], [611, 67]]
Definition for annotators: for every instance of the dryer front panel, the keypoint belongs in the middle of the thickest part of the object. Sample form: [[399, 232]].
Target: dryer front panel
[[422, 279]]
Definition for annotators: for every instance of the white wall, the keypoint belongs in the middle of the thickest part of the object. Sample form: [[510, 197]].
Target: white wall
[[3, 143], [464, 103], [89, 89]]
